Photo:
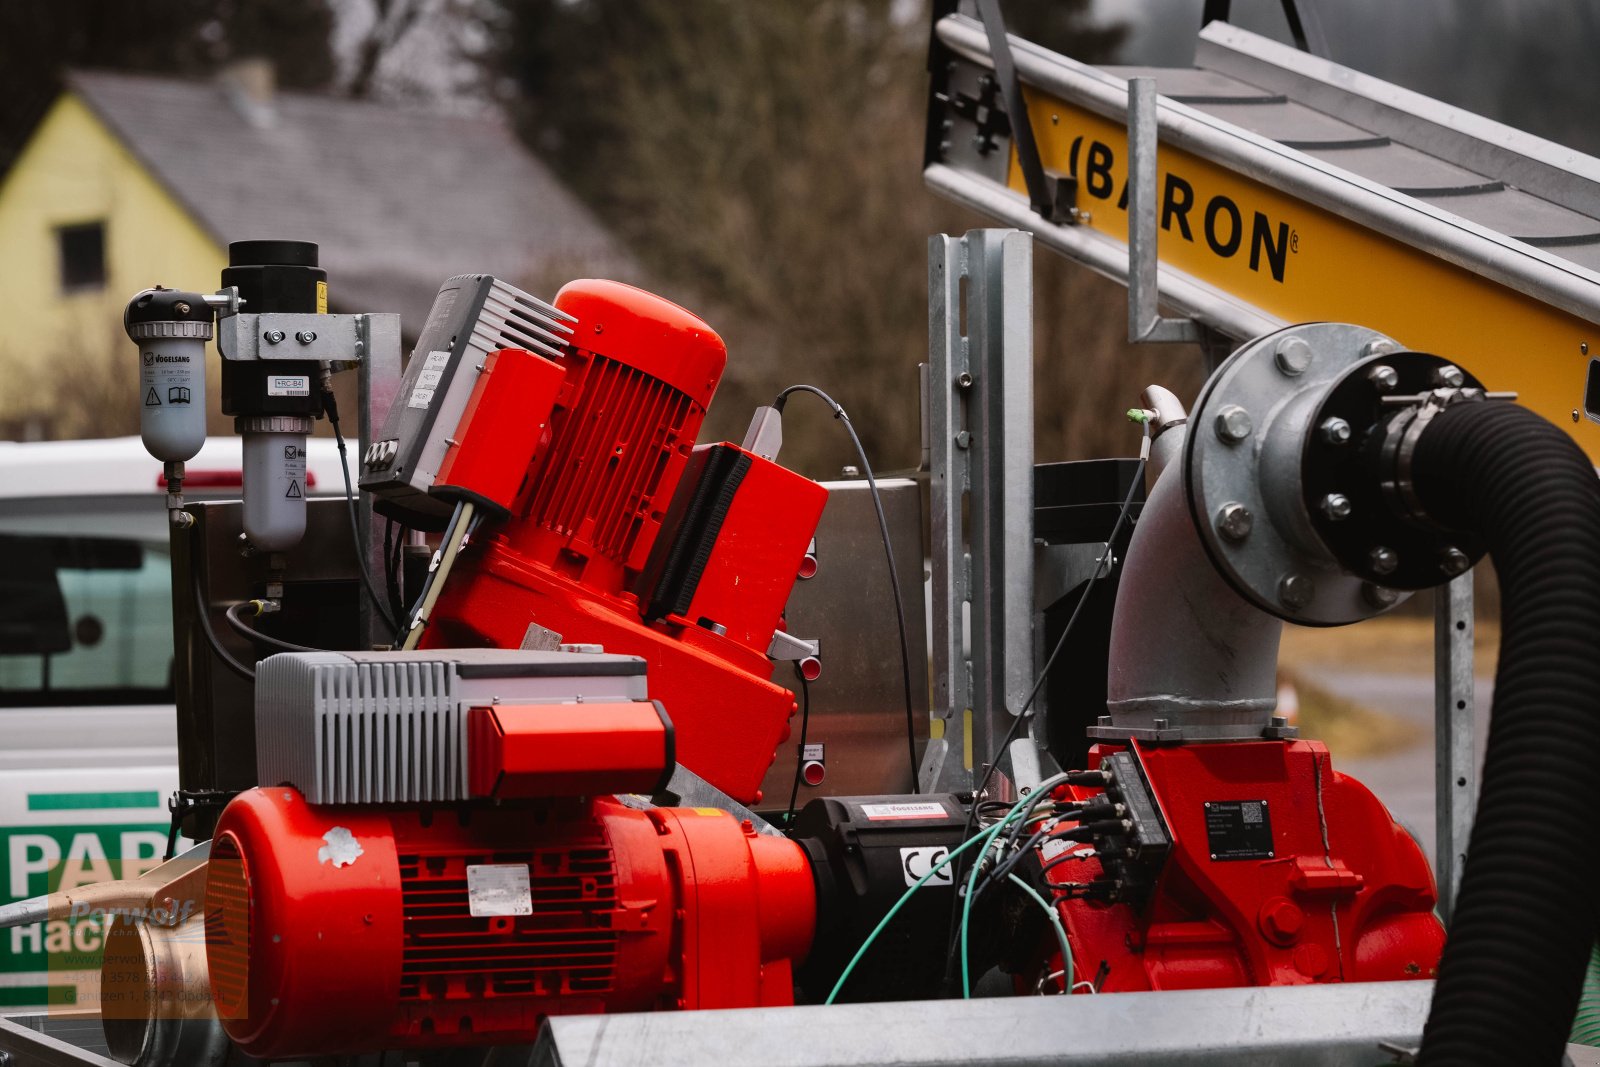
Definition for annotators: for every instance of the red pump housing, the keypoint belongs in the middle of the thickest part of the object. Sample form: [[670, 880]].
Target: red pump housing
[[621, 533], [1282, 872]]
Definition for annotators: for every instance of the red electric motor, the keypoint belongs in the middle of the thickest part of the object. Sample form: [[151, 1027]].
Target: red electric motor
[[383, 922], [609, 526]]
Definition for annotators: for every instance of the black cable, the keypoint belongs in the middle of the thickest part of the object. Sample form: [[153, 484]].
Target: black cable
[[250, 633], [800, 756], [1027, 705], [201, 611], [393, 553], [888, 551], [331, 406]]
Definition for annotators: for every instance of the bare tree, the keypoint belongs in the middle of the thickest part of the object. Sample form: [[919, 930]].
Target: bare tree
[[763, 160], [392, 20]]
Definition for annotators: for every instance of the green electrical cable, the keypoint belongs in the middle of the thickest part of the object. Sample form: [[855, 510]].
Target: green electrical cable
[[1586, 1024], [966, 908], [1025, 806], [1061, 931], [984, 838]]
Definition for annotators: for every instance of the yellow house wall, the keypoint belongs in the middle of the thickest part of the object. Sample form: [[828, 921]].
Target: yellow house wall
[[74, 170]]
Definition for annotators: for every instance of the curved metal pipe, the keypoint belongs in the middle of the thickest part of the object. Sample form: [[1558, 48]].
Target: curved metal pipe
[[1185, 648]]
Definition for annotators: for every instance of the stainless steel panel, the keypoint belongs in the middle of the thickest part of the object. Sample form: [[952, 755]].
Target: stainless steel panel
[[858, 702], [1339, 1025]]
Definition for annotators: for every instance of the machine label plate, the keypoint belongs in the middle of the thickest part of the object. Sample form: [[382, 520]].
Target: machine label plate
[[905, 810], [289, 385], [915, 863], [1239, 830], [428, 379], [498, 889]]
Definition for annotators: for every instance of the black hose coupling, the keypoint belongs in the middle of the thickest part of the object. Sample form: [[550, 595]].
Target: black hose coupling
[[1357, 484]]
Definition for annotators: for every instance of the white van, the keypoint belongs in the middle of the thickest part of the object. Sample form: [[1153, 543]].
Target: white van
[[88, 735]]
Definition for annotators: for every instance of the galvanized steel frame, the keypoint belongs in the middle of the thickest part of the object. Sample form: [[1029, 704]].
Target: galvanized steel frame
[[1455, 767], [1518, 266], [980, 441]]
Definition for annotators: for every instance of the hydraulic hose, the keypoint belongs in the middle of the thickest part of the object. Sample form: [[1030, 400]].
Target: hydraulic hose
[[1513, 966]]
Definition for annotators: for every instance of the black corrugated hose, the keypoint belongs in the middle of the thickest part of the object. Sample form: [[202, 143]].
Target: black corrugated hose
[[1519, 940]]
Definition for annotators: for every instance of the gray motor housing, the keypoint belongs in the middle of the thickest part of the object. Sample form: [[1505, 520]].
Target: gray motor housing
[[391, 727]]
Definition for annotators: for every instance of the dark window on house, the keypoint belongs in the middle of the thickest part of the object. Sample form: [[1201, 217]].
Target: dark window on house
[[83, 256]]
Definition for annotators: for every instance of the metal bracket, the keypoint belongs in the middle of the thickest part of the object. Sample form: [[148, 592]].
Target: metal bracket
[[1145, 322], [1455, 769], [278, 335], [1042, 191], [1162, 733], [786, 646]]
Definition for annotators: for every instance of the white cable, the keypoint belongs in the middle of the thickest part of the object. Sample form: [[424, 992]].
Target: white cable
[[455, 538]]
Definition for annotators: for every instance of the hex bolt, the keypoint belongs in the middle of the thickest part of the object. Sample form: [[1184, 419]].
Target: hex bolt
[[1296, 590], [1379, 596], [1335, 431], [1380, 347], [274, 337], [305, 337], [1293, 355], [1454, 561], [964, 439], [1336, 506], [1234, 521], [1383, 560], [1449, 376], [1383, 378], [1233, 424]]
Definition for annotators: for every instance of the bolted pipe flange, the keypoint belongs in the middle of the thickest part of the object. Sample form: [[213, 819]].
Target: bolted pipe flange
[[1334, 431], [1234, 521], [1380, 596], [1280, 563], [1385, 539], [1453, 561], [1296, 590], [1233, 424], [1383, 377], [1293, 355]]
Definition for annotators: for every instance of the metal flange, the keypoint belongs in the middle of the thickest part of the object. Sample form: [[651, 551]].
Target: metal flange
[[1244, 476]]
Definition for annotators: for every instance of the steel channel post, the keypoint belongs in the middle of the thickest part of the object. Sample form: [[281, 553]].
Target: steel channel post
[[980, 414], [1000, 512], [378, 378], [948, 478], [1454, 723]]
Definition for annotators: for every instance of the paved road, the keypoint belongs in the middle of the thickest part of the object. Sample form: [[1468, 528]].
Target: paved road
[[1403, 779]]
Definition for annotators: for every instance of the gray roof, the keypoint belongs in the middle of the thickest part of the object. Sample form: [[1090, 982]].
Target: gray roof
[[397, 199]]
